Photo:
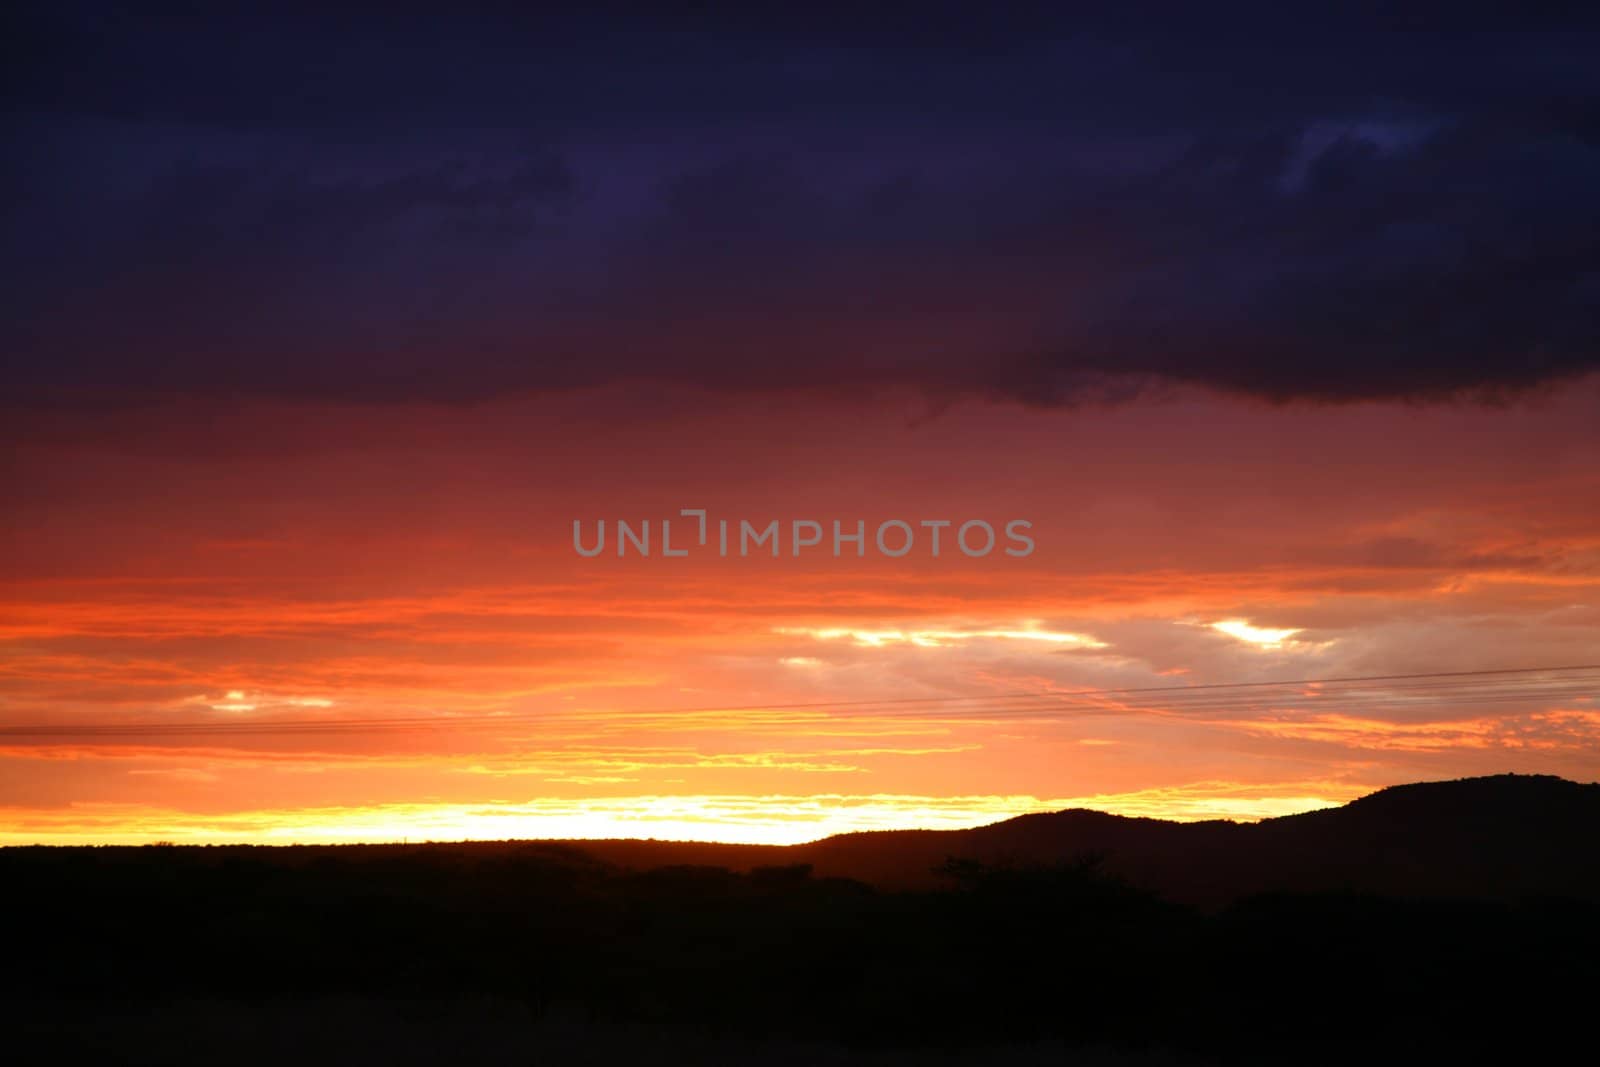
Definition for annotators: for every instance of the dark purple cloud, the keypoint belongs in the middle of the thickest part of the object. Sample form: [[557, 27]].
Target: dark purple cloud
[[1047, 211]]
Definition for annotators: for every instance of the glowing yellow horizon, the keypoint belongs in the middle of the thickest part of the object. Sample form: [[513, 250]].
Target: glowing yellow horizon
[[770, 820]]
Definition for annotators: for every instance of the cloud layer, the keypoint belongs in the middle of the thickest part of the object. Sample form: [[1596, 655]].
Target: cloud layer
[[1050, 212]]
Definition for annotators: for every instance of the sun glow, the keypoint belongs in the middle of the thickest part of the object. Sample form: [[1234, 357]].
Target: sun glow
[[943, 638], [755, 820], [1255, 635]]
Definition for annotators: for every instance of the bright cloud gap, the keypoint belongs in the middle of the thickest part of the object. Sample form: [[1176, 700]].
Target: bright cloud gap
[[941, 638]]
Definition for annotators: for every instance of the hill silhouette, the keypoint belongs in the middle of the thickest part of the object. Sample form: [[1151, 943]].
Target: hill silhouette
[[1430, 922], [1497, 836]]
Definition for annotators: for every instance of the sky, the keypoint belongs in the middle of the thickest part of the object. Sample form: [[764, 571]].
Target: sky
[[321, 332]]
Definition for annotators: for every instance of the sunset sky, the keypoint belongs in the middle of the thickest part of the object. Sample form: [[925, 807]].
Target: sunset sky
[[320, 334]]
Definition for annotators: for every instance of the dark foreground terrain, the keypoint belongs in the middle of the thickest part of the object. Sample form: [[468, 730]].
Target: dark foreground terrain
[[1430, 923]]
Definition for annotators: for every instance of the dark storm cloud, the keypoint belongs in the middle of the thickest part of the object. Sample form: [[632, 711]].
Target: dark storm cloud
[[462, 206]]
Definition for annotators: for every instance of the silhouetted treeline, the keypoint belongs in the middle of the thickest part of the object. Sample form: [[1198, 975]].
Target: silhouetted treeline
[[1000, 952]]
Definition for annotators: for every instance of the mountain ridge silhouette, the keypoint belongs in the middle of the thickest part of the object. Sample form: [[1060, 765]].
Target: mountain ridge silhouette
[[1503, 835], [1432, 921]]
